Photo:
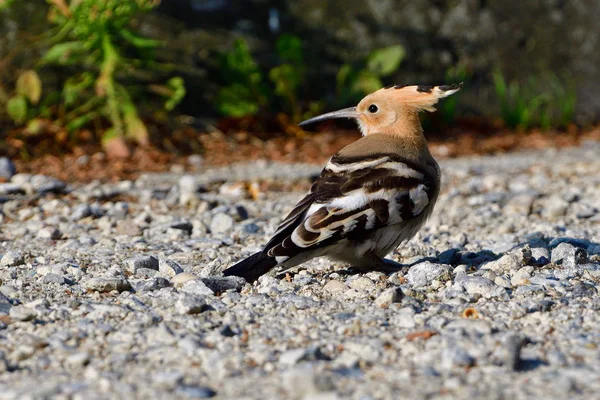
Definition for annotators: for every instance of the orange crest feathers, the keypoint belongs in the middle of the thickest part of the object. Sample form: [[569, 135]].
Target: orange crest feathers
[[421, 97]]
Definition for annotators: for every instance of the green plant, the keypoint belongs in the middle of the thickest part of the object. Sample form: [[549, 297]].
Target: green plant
[[109, 65], [354, 82], [95, 37], [546, 101], [247, 91]]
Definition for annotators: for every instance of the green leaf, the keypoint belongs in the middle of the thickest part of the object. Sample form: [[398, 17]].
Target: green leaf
[[289, 48], [177, 86], [134, 127], [383, 62], [286, 78], [79, 122], [237, 101], [139, 41], [29, 85], [63, 53], [17, 109], [74, 87]]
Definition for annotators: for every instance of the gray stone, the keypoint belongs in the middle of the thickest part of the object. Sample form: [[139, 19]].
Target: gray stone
[[135, 263], [5, 304], [152, 284], [11, 188], [454, 356], [22, 313], [108, 284], [567, 255], [422, 274], [190, 304], [196, 392], [197, 287], [389, 296], [554, 206], [508, 353], [221, 223], [169, 267], [12, 258], [7, 168], [54, 278], [81, 211], [512, 260], [49, 232], [221, 284], [521, 277], [480, 285], [540, 255]]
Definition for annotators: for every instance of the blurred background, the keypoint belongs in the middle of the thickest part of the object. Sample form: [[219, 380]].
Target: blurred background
[[104, 88]]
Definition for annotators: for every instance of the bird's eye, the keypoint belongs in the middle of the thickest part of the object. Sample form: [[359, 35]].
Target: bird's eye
[[373, 108]]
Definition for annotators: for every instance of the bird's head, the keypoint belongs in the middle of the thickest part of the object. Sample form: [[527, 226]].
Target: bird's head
[[393, 109]]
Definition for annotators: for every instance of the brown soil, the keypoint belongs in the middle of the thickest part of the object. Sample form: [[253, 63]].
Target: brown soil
[[220, 149]]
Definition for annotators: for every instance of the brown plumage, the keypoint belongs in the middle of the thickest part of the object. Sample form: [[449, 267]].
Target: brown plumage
[[372, 195]]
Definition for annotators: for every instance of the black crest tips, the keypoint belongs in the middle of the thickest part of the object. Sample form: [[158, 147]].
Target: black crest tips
[[424, 88]]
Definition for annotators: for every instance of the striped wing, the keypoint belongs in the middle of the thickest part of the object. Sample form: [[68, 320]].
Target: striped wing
[[352, 199]]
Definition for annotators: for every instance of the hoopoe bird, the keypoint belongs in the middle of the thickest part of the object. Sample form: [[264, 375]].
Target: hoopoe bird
[[371, 196]]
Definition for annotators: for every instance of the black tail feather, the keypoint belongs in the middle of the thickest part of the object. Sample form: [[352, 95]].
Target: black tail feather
[[252, 267]]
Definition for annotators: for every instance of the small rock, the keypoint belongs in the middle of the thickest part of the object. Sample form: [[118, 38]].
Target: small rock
[[567, 255], [294, 356], [49, 232], [509, 352], [7, 169], [12, 259], [389, 296], [152, 284], [22, 313], [183, 226], [223, 283], [512, 260], [582, 289], [81, 211], [54, 278], [521, 277], [554, 206], [128, 227], [5, 304], [221, 223], [528, 290], [180, 279], [11, 188], [456, 357], [78, 360], [480, 285], [135, 263], [196, 392], [101, 284], [190, 304], [422, 274], [196, 287], [169, 267], [520, 204], [361, 283], [335, 286], [540, 255]]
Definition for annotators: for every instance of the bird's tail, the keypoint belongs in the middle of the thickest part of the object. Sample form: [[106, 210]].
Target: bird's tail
[[252, 267]]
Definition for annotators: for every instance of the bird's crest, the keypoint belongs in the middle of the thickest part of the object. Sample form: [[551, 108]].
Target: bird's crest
[[420, 97]]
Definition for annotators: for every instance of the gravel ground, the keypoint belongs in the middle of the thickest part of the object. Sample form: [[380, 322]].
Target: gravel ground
[[113, 290]]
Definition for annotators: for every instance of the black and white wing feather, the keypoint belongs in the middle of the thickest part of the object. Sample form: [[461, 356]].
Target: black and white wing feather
[[350, 200]]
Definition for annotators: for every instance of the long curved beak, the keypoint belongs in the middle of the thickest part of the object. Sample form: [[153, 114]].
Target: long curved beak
[[349, 112]]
